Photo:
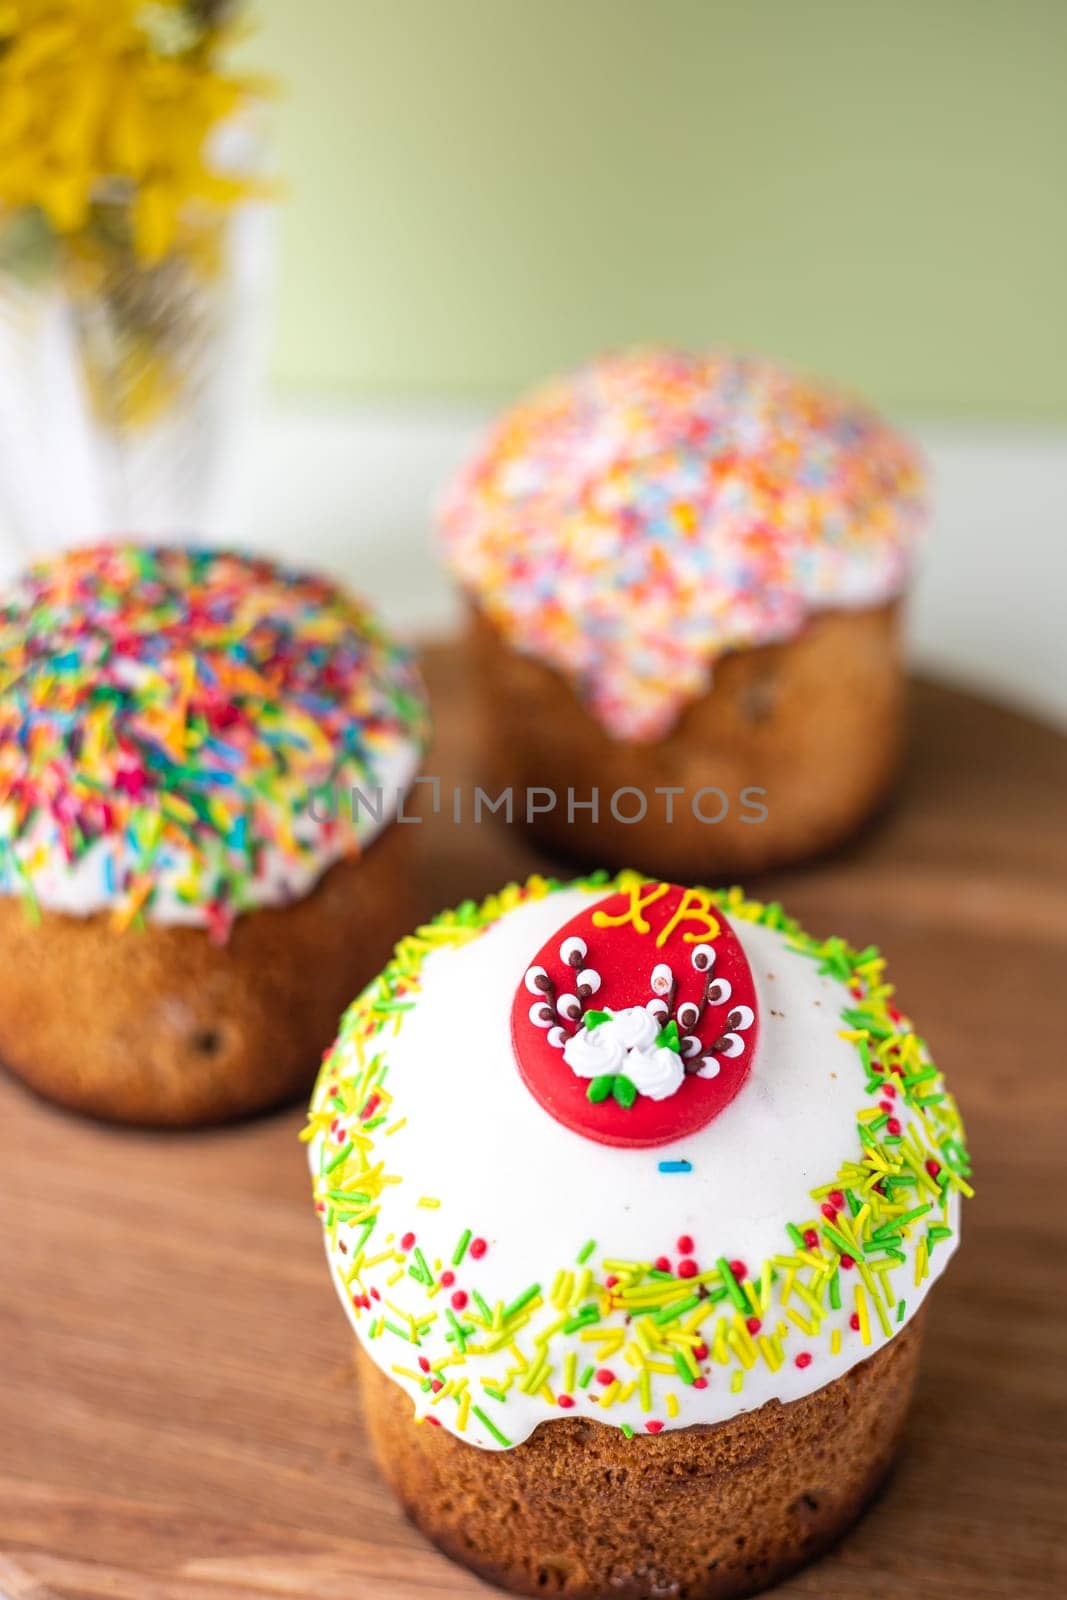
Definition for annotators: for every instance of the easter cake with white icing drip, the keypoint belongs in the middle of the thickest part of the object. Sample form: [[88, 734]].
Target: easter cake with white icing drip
[[686, 571], [622, 1153]]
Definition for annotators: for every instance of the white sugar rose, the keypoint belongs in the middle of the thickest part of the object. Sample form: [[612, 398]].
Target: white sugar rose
[[636, 1027], [655, 1073], [593, 1052]]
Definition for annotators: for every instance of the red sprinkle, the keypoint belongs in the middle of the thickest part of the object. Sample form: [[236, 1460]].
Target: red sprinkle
[[609, 1283], [370, 1108], [653, 1427], [700, 1383], [459, 1299], [447, 1280], [605, 1375], [662, 1264], [478, 1248], [893, 1126], [687, 1268], [407, 1241], [828, 1211], [837, 1199], [854, 1322], [565, 1400], [933, 1167], [848, 1263], [811, 1238], [685, 1245], [803, 1360], [424, 1365], [739, 1270], [700, 1351], [435, 1422], [753, 1324]]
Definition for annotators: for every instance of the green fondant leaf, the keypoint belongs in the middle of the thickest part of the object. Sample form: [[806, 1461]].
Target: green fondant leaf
[[669, 1036], [624, 1091], [593, 1019], [600, 1088]]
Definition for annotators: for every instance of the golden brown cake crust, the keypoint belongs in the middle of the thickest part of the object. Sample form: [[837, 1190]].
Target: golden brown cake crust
[[699, 1513], [815, 721], [159, 1026]]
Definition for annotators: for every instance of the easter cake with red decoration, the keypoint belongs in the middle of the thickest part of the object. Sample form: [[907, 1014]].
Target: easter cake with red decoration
[[634, 1195], [685, 576], [188, 892]]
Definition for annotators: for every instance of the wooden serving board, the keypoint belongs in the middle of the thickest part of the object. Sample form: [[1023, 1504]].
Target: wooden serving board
[[177, 1417]]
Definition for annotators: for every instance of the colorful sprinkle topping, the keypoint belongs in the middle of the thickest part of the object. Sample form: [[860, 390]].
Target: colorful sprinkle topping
[[657, 1340], [168, 719], [634, 522]]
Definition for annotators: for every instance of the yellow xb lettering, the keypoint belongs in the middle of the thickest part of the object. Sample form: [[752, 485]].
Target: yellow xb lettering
[[693, 907], [641, 895]]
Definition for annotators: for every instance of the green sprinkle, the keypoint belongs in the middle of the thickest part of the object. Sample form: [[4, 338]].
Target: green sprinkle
[[583, 1318], [487, 1423], [587, 1376], [342, 1155], [419, 1270], [733, 1288], [586, 1251], [461, 1249], [484, 1311], [683, 1369], [521, 1301], [676, 1309], [626, 1430], [459, 1333]]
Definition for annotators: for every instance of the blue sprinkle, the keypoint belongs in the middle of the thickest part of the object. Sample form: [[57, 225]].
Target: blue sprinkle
[[676, 1166]]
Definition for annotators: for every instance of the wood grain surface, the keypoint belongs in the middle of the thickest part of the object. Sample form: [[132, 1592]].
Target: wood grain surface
[[177, 1414]]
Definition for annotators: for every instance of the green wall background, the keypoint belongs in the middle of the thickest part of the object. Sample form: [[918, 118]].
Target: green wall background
[[486, 190]]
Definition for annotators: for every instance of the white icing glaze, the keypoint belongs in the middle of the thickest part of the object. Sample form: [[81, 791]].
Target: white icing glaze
[[80, 888], [476, 1141]]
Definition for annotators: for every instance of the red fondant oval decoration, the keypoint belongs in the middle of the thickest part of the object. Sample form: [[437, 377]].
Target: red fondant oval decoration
[[636, 1023]]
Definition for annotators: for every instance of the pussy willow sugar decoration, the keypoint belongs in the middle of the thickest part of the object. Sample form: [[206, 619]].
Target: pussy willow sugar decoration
[[190, 703], [624, 1328], [633, 522]]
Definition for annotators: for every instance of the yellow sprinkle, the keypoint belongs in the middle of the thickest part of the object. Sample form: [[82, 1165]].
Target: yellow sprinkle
[[771, 1352], [835, 1342], [737, 1382], [863, 1314], [671, 1403], [427, 1202]]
